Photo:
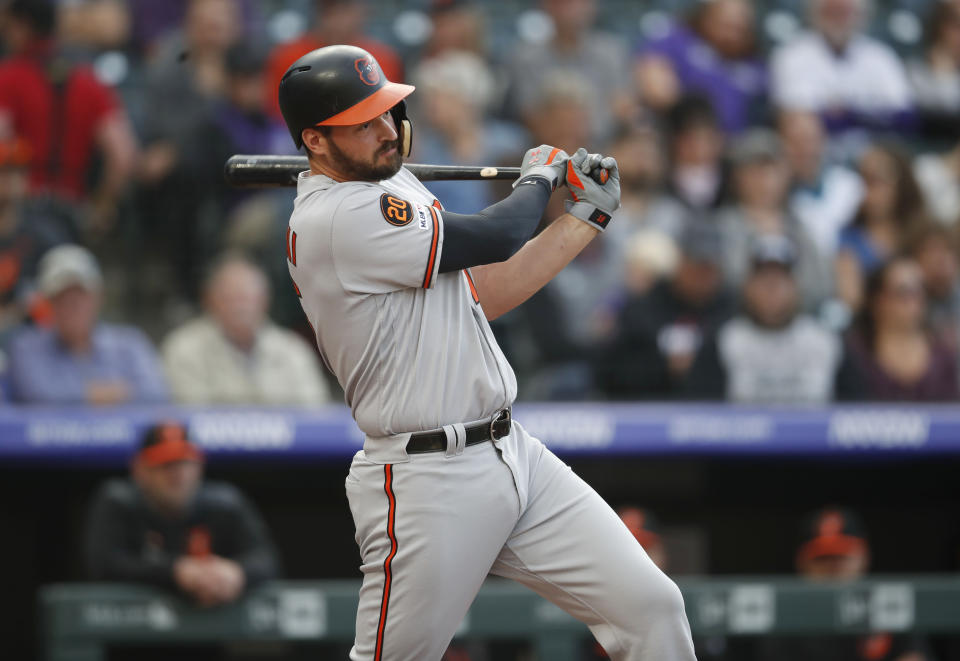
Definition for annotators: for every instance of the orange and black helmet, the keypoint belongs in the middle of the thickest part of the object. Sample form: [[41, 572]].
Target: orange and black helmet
[[341, 86]]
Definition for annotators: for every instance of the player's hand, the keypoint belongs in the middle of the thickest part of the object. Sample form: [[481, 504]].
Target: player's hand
[[593, 202], [546, 162]]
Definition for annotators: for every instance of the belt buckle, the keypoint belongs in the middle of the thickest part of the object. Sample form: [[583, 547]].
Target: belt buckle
[[502, 416]]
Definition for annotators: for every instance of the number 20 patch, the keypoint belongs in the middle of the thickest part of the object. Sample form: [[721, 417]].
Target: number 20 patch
[[396, 211]]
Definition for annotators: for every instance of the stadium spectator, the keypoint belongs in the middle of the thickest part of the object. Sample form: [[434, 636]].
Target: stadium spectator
[[563, 112], [856, 83], [696, 175], [152, 23], [834, 548], [935, 250], [184, 82], [79, 359], [935, 76], [598, 60], [736, 364], [824, 197], [334, 22], [94, 25], [238, 123], [938, 175], [659, 333], [233, 354], [456, 91], [562, 118], [760, 179], [891, 208], [457, 25], [64, 113], [714, 54], [644, 202], [891, 345], [168, 527], [24, 238], [649, 256]]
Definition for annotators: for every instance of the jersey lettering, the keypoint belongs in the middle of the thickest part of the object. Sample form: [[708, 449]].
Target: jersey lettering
[[395, 211]]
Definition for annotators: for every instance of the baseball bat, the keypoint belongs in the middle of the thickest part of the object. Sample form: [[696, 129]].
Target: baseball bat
[[259, 171]]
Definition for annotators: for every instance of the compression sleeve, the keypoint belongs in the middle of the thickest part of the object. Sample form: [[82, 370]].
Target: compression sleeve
[[497, 232]]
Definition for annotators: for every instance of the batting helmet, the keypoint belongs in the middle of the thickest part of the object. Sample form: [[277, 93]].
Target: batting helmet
[[341, 86]]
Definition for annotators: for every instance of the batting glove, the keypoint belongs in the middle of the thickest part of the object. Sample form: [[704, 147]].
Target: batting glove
[[593, 202], [545, 162]]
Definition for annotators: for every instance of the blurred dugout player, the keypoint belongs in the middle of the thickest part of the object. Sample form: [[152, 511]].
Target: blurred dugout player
[[834, 548], [166, 527]]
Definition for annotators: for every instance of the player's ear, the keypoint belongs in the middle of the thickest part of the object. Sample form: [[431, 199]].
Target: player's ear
[[314, 142]]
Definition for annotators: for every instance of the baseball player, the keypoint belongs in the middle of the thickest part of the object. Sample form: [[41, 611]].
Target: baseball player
[[448, 488]]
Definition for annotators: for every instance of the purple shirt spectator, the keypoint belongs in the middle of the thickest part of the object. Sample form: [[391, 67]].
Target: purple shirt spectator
[[153, 20], [937, 384], [736, 88], [42, 371]]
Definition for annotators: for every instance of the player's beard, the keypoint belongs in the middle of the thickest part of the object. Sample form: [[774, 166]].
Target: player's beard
[[357, 170]]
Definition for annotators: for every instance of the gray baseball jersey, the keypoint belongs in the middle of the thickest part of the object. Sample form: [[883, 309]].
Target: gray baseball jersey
[[407, 361], [413, 351]]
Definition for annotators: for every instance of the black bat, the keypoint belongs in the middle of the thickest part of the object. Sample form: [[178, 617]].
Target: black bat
[[260, 171]]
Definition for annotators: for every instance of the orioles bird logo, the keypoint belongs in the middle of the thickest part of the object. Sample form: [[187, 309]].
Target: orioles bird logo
[[367, 68]]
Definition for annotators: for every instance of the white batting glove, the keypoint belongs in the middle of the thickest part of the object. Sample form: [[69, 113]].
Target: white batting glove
[[545, 162], [594, 202]]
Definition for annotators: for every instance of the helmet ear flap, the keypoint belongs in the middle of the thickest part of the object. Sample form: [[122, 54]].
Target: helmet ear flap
[[406, 137], [404, 127]]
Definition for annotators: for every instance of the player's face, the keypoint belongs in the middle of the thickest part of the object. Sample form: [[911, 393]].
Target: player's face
[[366, 152], [170, 487], [771, 296], [75, 313]]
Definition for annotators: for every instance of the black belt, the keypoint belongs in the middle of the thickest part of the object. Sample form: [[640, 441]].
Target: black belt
[[435, 441]]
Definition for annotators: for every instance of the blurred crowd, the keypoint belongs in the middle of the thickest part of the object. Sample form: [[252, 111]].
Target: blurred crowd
[[788, 232]]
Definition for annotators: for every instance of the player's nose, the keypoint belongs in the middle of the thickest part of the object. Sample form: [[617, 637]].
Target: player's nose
[[385, 128]]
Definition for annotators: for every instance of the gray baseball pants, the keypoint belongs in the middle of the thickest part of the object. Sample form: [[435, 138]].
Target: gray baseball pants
[[430, 527]]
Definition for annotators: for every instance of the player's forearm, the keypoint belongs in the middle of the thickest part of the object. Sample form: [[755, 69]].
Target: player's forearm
[[505, 285]]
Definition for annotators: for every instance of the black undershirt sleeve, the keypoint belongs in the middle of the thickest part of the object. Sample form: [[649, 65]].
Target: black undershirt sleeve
[[497, 232]]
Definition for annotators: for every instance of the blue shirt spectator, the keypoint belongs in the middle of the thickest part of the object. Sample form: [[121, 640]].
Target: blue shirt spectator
[[856, 240], [79, 360]]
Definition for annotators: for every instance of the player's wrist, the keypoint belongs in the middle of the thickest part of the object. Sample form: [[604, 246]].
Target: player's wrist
[[590, 214], [538, 178]]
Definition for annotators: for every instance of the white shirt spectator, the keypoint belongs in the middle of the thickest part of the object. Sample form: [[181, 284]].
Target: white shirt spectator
[[940, 186], [205, 368], [935, 90], [866, 78], [826, 210]]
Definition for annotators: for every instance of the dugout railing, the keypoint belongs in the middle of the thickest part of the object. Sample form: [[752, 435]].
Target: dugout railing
[[81, 621]]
